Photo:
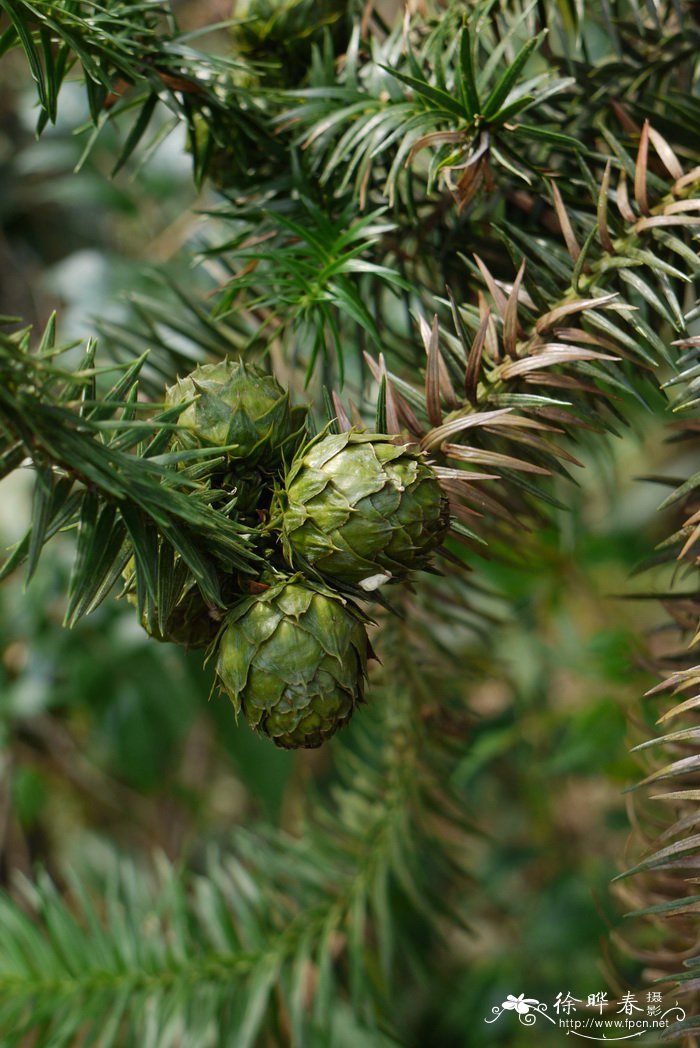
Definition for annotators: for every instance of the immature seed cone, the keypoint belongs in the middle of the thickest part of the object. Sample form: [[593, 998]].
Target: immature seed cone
[[287, 30], [237, 404], [191, 623], [294, 660], [360, 509]]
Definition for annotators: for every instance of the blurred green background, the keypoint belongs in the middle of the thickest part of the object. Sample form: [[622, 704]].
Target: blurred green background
[[109, 740]]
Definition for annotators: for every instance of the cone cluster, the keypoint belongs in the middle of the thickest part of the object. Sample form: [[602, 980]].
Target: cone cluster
[[334, 517]]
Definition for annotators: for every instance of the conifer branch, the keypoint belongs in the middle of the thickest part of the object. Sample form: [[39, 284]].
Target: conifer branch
[[102, 469], [274, 934]]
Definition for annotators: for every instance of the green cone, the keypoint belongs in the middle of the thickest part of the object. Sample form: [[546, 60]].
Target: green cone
[[190, 623], [294, 660], [360, 509], [237, 404], [287, 31]]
